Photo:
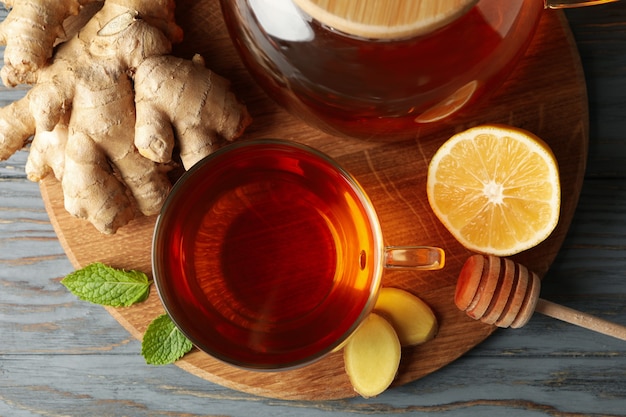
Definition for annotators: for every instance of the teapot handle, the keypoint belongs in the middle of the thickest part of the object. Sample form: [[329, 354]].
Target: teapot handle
[[566, 4]]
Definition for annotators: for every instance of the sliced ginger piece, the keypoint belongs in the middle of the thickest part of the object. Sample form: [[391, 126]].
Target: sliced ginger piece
[[413, 319], [372, 356]]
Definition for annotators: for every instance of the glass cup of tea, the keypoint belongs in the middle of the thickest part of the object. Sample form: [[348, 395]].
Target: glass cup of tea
[[267, 255]]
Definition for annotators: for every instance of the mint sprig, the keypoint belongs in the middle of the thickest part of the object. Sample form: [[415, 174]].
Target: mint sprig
[[98, 283], [101, 284], [163, 343]]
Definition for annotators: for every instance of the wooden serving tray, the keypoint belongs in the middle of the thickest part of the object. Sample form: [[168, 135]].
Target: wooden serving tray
[[546, 95]]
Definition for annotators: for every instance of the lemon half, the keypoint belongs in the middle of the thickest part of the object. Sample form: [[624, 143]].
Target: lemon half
[[496, 189]]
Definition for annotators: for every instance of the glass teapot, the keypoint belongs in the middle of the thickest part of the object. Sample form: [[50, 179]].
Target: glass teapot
[[381, 68]]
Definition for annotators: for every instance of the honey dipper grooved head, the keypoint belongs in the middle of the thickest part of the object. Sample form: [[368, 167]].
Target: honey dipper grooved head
[[497, 291]]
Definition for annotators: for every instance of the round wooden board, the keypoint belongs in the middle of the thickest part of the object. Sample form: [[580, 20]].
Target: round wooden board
[[546, 95]]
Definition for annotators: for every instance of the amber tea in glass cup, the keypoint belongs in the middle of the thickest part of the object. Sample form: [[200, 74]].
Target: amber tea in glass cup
[[267, 255]]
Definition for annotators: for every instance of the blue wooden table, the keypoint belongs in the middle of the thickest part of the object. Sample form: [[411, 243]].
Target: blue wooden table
[[63, 357]]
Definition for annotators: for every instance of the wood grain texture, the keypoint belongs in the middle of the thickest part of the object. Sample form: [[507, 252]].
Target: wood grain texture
[[394, 175], [60, 356]]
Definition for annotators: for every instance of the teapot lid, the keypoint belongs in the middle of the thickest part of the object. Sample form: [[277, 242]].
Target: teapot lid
[[385, 19]]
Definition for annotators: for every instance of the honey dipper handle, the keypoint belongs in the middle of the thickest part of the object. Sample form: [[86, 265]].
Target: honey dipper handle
[[580, 319]]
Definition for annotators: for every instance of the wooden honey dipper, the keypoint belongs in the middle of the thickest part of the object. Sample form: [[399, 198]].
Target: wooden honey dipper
[[499, 291]]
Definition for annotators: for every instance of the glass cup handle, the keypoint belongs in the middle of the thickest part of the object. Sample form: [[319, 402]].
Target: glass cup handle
[[414, 257]]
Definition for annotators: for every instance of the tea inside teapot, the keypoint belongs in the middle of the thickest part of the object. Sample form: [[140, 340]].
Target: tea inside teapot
[[354, 70]]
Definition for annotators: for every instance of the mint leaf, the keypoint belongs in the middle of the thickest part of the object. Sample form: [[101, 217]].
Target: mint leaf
[[104, 285], [163, 343]]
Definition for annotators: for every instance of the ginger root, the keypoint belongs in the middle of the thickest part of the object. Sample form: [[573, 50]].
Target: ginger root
[[412, 318], [372, 356], [30, 32], [166, 95], [110, 80]]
